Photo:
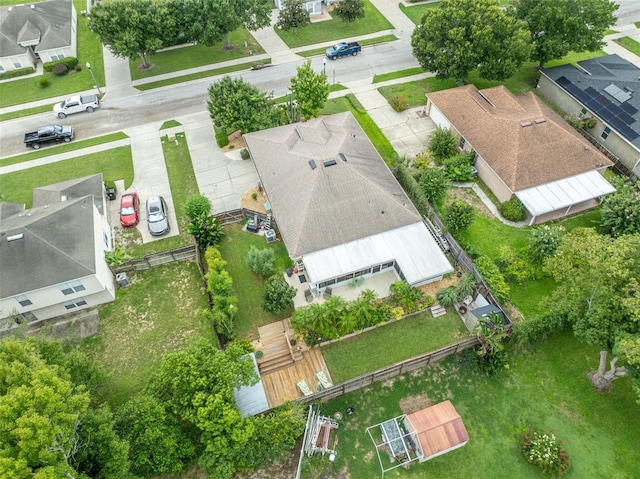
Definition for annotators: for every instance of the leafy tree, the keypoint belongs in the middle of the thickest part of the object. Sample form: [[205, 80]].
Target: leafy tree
[[206, 230], [236, 104], [157, 444], [462, 35], [261, 261], [434, 184], [310, 90], [278, 295], [599, 292], [133, 27], [544, 240], [556, 28], [442, 144], [197, 205], [620, 212], [458, 216], [293, 15], [349, 10]]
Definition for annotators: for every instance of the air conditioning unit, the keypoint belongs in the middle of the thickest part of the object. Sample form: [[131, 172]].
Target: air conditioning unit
[[122, 279]]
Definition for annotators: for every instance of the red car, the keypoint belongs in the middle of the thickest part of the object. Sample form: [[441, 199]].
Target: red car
[[129, 206]]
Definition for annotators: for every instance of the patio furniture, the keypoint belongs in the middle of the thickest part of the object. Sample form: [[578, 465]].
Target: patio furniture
[[324, 380], [327, 292], [308, 295], [304, 387]]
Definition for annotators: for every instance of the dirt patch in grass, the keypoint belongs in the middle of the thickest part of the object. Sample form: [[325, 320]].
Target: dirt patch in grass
[[236, 142], [254, 204], [468, 196], [432, 289], [411, 404]]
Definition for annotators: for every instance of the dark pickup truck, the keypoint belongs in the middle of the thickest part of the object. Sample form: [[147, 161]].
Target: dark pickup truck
[[46, 134], [343, 49]]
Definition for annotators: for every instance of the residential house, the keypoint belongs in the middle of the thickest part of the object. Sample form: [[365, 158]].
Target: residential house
[[523, 149], [314, 7], [44, 31], [607, 89], [52, 255], [339, 209]]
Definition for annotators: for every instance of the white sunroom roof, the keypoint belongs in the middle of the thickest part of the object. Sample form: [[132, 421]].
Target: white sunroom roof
[[412, 246], [564, 193]]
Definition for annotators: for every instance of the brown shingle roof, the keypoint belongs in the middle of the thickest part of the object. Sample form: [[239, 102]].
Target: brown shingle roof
[[525, 142], [329, 205]]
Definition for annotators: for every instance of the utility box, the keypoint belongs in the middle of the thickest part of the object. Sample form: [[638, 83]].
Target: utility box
[[122, 279], [270, 236]]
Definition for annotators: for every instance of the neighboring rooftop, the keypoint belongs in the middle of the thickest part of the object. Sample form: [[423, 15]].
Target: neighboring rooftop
[[69, 190]]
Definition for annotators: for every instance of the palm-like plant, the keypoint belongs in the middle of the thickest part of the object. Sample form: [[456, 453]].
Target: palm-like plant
[[447, 296], [466, 286]]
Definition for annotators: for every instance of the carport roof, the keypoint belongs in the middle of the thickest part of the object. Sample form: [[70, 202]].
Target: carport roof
[[564, 193]]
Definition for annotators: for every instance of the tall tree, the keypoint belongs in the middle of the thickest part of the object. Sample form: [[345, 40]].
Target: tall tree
[[310, 90], [293, 15], [236, 104], [462, 35], [556, 28], [599, 292], [133, 27], [620, 212], [349, 10]]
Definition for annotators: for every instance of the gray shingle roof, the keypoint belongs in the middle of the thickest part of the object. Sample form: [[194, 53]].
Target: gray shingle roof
[[58, 245], [72, 189], [525, 142], [600, 73], [329, 205], [51, 21]]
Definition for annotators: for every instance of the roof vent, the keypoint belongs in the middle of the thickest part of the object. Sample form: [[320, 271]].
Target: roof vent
[[19, 236], [312, 164], [342, 157], [540, 120], [525, 124], [330, 163]]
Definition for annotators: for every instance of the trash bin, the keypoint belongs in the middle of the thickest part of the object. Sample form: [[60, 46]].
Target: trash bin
[[111, 194]]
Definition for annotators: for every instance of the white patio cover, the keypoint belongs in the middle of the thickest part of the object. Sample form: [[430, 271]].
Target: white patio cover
[[412, 246], [564, 193]]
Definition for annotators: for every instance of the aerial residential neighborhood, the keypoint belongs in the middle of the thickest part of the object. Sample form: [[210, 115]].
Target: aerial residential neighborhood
[[319, 239]]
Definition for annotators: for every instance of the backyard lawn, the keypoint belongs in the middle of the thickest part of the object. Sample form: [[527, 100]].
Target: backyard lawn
[[246, 286], [336, 29], [159, 313], [545, 387], [399, 340]]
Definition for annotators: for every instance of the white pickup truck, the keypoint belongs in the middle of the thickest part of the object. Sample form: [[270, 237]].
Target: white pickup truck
[[76, 104]]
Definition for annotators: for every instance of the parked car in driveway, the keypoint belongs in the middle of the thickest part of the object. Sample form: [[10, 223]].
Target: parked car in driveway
[[129, 206], [157, 216]]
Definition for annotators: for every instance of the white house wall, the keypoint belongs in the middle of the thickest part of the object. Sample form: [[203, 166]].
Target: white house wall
[[438, 118]]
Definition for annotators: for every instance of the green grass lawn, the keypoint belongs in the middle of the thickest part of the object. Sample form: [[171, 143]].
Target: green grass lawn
[[363, 43], [350, 103], [25, 112], [545, 387], [63, 148], [415, 12], [400, 340], [196, 55], [159, 313], [247, 287], [415, 91], [114, 164], [398, 74], [336, 29], [630, 44], [89, 50]]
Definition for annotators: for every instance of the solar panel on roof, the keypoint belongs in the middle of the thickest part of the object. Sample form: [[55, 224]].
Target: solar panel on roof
[[571, 88], [629, 133], [628, 119], [583, 97], [629, 108], [563, 81], [617, 123]]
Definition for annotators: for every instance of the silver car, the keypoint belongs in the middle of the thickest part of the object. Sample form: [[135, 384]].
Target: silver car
[[157, 216]]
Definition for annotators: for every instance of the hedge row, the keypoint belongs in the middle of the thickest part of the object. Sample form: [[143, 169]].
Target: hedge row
[[16, 73], [71, 63]]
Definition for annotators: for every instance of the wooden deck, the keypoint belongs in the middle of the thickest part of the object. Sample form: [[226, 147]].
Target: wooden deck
[[282, 366]]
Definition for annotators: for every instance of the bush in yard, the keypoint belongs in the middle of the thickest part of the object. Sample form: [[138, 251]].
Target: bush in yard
[[196, 205], [620, 210], [244, 154], [222, 139], [447, 296], [513, 210], [544, 450], [413, 189], [278, 295], [261, 261], [539, 328], [458, 216], [43, 82], [60, 69], [424, 160], [442, 144], [16, 73], [514, 266], [411, 299], [493, 277], [544, 241], [434, 184], [458, 167], [206, 230], [399, 103]]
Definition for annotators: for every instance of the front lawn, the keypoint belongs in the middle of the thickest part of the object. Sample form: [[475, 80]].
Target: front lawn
[[630, 44], [246, 286], [114, 164], [415, 91], [336, 29], [416, 12], [160, 312], [545, 387], [400, 340]]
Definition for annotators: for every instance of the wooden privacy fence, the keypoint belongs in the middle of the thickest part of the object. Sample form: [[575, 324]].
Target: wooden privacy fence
[[180, 253], [387, 372]]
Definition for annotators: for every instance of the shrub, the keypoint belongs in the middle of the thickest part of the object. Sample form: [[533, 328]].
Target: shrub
[[447, 296], [78, 68], [458, 216], [60, 69], [539, 328], [513, 210], [514, 266], [261, 261], [43, 82], [71, 62], [20, 72], [544, 240], [412, 189], [424, 160], [244, 154], [545, 451], [222, 139], [278, 295], [458, 167], [206, 230], [196, 205], [442, 143], [493, 277], [399, 103], [434, 184], [620, 210]]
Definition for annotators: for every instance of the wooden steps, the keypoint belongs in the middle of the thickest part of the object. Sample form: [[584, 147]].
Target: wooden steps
[[437, 310]]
